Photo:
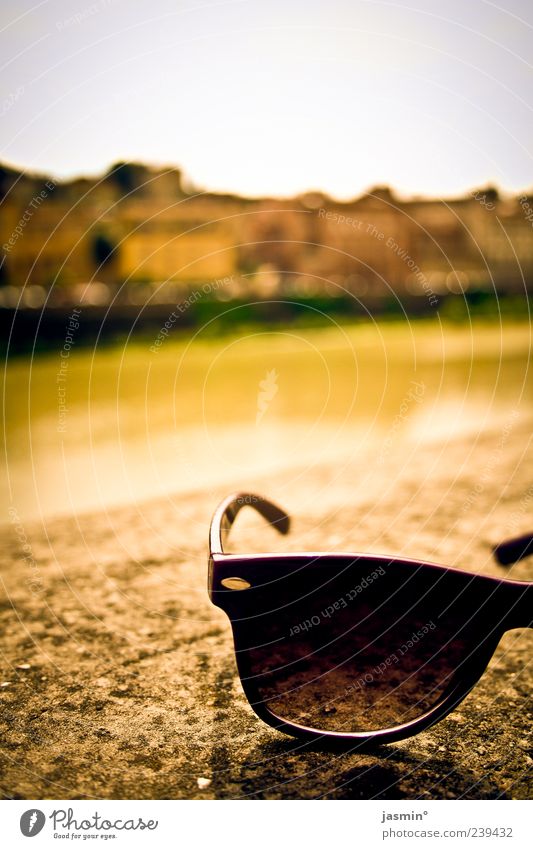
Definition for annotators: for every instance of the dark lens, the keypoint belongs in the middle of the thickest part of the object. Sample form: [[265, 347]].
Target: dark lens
[[354, 648]]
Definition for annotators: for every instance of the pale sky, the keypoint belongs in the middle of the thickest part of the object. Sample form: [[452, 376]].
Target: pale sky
[[274, 96]]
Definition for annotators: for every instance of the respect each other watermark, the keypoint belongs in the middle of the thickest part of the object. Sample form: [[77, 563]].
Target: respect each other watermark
[[183, 306]]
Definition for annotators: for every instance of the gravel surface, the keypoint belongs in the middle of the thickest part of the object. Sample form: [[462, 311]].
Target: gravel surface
[[118, 675]]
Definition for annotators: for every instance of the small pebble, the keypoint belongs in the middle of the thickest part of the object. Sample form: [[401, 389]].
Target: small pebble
[[329, 709], [23, 666], [5, 683], [203, 783]]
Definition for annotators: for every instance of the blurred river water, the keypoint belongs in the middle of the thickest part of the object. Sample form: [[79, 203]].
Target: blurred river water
[[91, 429]]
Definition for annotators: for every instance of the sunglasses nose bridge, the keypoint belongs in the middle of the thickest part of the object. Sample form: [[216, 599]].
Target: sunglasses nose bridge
[[520, 606]]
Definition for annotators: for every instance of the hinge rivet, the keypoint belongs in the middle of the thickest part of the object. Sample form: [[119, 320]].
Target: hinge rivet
[[235, 584]]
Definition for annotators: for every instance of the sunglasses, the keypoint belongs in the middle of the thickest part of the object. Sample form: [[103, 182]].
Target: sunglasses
[[358, 647]]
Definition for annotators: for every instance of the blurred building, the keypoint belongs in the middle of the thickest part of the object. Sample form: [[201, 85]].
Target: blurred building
[[138, 233]]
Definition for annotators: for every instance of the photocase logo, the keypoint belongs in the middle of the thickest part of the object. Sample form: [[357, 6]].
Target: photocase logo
[[268, 389], [32, 822]]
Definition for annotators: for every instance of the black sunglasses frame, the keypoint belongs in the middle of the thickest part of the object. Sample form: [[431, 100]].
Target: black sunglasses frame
[[505, 604]]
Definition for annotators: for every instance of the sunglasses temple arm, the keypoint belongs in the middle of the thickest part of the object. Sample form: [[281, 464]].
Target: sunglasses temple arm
[[512, 550], [227, 512]]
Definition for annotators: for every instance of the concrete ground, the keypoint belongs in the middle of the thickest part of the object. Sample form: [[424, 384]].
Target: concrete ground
[[118, 675]]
